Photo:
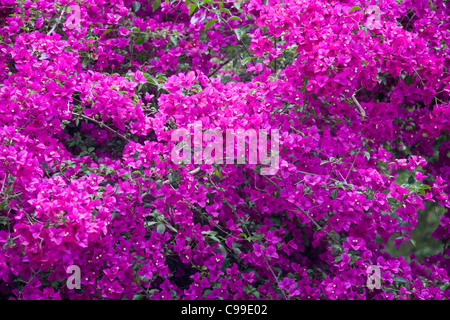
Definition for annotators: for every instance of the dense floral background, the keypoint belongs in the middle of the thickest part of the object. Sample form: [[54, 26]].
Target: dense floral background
[[91, 91]]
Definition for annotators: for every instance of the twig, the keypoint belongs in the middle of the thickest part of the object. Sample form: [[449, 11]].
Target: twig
[[102, 125], [419, 77], [216, 225], [353, 163], [58, 20], [297, 131], [320, 228], [219, 67], [361, 110], [4, 182], [410, 20], [196, 170]]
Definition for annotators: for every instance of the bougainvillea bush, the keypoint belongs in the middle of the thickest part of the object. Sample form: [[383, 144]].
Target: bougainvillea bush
[[91, 93]]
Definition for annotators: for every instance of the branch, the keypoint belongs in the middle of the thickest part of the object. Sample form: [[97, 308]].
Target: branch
[[297, 131], [102, 125], [320, 228], [219, 67], [58, 20], [353, 163], [196, 170], [421, 81], [361, 110]]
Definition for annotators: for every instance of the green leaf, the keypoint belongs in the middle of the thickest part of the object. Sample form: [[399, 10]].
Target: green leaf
[[409, 80], [243, 235], [246, 60], [139, 41], [174, 40], [206, 292], [217, 12], [150, 79], [212, 237], [46, 168], [237, 5], [156, 5], [355, 8], [239, 33], [136, 6], [367, 154], [226, 11], [150, 223], [161, 228], [411, 180], [223, 250], [192, 8], [237, 250], [235, 18], [400, 279], [324, 161], [209, 24], [333, 194], [425, 186]]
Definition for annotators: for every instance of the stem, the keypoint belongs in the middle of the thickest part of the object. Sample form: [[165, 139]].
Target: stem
[[419, 77], [4, 182], [102, 125], [218, 68], [320, 228], [361, 110], [353, 163], [276, 59], [297, 131], [196, 170], [57, 22], [54, 26]]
